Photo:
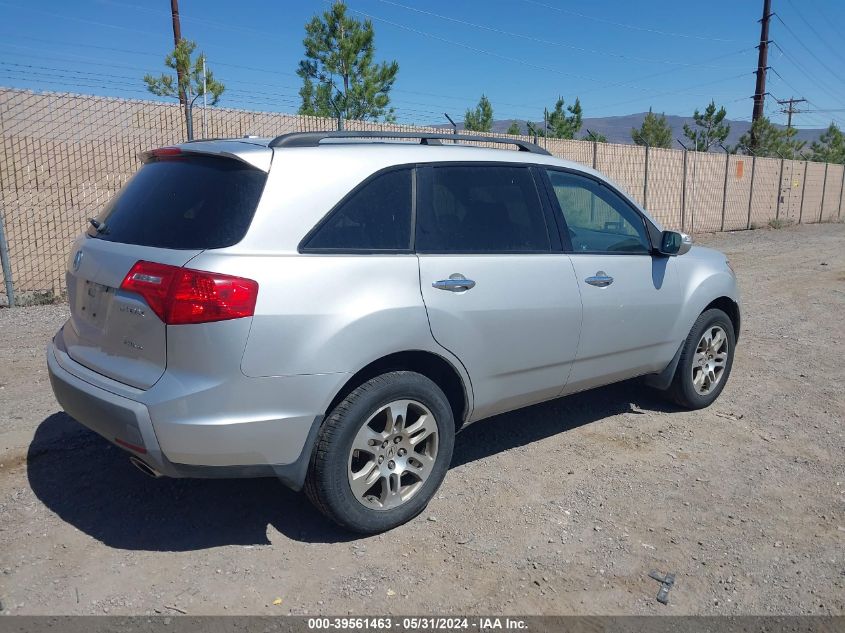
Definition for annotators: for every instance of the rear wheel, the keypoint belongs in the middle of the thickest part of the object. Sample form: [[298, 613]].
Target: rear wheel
[[705, 362], [382, 453]]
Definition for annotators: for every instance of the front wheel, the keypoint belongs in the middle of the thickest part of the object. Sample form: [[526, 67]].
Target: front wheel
[[382, 453], [705, 362]]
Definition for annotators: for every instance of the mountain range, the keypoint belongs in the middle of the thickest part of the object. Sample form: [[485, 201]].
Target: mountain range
[[617, 129]]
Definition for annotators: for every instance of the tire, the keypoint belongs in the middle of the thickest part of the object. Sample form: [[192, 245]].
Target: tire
[[684, 390], [337, 466]]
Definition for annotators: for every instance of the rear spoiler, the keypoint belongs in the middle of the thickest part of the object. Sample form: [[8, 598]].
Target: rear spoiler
[[253, 155]]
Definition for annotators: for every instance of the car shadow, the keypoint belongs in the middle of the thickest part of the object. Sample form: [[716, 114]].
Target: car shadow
[[90, 484], [535, 423]]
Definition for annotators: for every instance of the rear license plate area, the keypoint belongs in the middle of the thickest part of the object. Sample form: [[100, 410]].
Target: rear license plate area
[[93, 302]]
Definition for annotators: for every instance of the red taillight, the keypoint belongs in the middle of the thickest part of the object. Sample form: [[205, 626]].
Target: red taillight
[[181, 295], [172, 153], [163, 152]]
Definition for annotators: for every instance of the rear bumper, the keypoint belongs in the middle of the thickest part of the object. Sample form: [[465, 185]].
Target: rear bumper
[[248, 427], [120, 420]]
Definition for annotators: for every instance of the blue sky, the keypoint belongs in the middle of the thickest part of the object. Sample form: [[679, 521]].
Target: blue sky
[[619, 57]]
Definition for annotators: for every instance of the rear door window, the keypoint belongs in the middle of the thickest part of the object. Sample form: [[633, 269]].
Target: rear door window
[[184, 202], [481, 209], [374, 217]]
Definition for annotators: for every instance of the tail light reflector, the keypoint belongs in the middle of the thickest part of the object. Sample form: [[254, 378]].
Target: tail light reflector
[[181, 295]]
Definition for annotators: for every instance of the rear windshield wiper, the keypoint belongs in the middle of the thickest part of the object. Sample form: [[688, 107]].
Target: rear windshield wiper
[[100, 227]]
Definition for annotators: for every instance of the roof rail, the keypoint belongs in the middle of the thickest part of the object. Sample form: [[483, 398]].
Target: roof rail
[[313, 139]]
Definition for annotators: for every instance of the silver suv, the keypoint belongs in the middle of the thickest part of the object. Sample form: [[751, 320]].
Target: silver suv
[[330, 308]]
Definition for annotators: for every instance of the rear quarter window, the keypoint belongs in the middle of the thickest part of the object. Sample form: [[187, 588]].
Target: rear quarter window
[[184, 202], [374, 217]]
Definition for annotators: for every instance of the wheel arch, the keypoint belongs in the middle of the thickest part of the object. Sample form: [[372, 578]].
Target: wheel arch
[[729, 307], [433, 366]]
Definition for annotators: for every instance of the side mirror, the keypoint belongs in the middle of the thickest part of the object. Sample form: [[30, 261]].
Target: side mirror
[[674, 243]]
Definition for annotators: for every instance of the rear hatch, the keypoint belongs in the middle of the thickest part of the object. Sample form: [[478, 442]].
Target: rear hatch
[[176, 206]]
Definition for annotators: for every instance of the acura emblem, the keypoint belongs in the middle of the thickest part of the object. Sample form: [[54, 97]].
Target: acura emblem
[[77, 260]]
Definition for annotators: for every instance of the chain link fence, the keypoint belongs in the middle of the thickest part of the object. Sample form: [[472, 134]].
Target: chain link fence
[[62, 156]]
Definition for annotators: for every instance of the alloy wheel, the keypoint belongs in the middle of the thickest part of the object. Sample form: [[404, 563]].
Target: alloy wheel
[[710, 359], [393, 454]]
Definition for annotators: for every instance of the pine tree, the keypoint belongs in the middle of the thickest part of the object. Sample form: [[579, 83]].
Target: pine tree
[[514, 129], [192, 84], [710, 128], [830, 148], [562, 126], [339, 76], [654, 131], [481, 118], [595, 136], [771, 140]]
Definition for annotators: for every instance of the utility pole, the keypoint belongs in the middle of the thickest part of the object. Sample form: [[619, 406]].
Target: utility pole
[[177, 37], [762, 61], [790, 110]]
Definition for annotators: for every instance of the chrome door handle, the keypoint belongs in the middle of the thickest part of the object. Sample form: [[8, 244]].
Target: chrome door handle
[[600, 279], [455, 283]]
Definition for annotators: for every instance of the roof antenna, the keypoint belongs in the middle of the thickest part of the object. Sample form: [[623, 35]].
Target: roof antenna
[[454, 125]]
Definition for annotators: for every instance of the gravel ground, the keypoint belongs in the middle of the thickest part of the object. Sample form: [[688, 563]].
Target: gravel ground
[[562, 508]]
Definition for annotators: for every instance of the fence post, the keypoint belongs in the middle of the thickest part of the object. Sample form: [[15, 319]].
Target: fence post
[[684, 195], [780, 189], [841, 187], [803, 189], [824, 187], [645, 180], [751, 191], [694, 199], [725, 190], [595, 153], [6, 264]]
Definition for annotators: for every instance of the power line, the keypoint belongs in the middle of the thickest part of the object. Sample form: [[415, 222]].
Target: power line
[[269, 103], [591, 51], [76, 19], [215, 61], [681, 92], [203, 21], [475, 49], [840, 121], [628, 26], [836, 74], [807, 73], [818, 35], [405, 105], [219, 63], [59, 76], [505, 57], [517, 111]]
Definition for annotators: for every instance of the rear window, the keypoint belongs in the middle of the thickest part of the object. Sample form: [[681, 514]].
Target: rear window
[[184, 202]]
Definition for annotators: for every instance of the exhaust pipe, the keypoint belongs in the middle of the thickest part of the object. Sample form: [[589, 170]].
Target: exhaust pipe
[[144, 467]]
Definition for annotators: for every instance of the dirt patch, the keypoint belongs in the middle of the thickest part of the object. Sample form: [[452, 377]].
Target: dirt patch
[[560, 508]]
